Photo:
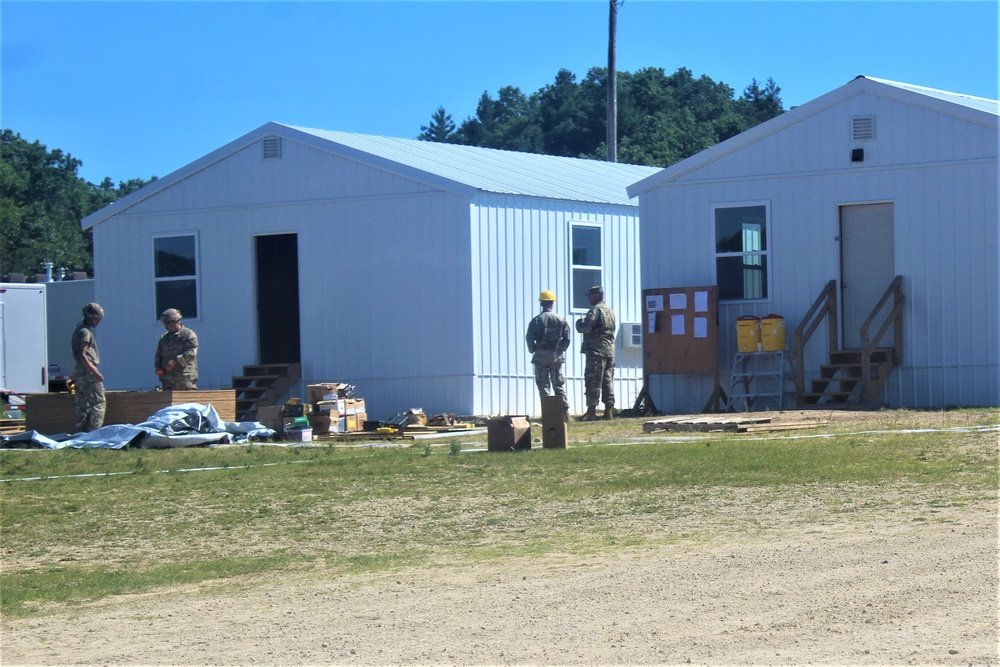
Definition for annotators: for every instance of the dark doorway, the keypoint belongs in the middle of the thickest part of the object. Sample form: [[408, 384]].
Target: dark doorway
[[278, 298]]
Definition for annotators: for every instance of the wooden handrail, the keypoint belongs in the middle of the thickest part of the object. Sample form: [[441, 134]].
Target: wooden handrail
[[825, 305], [869, 345]]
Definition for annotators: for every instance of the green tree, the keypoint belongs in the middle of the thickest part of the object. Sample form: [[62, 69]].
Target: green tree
[[42, 201], [441, 128], [508, 122], [662, 118], [759, 104]]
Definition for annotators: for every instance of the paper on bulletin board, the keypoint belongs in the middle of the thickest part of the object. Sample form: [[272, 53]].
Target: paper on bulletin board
[[701, 302], [676, 325], [654, 302], [678, 301], [651, 325], [701, 327]]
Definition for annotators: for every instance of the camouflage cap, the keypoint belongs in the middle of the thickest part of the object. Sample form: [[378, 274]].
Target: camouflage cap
[[596, 289], [93, 310], [171, 315]]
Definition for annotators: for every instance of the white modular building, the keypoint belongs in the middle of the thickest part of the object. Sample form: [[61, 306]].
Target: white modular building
[[409, 269], [874, 180]]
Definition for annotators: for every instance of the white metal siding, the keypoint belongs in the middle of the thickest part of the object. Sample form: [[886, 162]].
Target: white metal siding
[[383, 277], [412, 293], [939, 172], [521, 246]]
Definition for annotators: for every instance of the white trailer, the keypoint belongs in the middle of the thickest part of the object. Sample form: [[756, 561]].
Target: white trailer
[[23, 338]]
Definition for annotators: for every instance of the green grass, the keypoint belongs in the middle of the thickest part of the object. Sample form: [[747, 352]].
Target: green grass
[[101, 523]]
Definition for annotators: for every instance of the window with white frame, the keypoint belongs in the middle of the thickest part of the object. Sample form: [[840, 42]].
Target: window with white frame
[[741, 251], [175, 274], [585, 262]]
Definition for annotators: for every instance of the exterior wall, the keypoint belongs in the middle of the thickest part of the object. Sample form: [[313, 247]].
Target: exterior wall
[[383, 277], [940, 173], [521, 246], [63, 302]]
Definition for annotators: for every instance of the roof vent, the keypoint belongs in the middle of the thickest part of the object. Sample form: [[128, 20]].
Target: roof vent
[[272, 148], [863, 128]]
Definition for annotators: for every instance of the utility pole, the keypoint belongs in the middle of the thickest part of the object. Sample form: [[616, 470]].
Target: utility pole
[[612, 140]]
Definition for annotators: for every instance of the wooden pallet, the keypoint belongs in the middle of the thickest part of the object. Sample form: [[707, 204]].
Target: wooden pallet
[[734, 423], [11, 426]]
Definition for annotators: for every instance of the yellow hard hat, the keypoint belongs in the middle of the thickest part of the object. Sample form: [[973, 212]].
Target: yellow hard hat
[[547, 295]]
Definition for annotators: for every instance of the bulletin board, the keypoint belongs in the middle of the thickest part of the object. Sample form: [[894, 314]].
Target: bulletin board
[[680, 328]]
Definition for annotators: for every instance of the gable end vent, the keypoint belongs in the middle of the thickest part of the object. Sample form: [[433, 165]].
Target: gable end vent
[[272, 148], [863, 128]]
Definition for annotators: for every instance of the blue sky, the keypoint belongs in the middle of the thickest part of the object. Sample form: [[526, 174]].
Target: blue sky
[[135, 89]]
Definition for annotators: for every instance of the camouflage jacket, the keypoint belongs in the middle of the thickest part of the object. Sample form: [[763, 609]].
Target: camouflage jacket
[[182, 347], [598, 329], [84, 336], [547, 338]]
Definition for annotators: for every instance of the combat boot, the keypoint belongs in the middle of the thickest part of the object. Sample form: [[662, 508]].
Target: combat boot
[[609, 411], [591, 414]]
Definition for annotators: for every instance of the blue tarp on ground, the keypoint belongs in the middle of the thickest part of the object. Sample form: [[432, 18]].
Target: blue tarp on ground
[[184, 425]]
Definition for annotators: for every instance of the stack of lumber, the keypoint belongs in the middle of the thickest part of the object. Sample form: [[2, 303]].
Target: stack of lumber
[[735, 423], [55, 413], [11, 426], [394, 433]]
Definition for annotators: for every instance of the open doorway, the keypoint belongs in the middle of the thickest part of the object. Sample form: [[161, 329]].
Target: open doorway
[[278, 332]]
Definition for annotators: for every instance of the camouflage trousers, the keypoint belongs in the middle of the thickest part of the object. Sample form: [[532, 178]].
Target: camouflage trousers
[[89, 402], [598, 377], [179, 383], [546, 374]]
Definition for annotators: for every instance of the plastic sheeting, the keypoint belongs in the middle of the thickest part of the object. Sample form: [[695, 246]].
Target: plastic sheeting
[[184, 425]]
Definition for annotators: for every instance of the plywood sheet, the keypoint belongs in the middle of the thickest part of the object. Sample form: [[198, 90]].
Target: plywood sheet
[[680, 330], [54, 413]]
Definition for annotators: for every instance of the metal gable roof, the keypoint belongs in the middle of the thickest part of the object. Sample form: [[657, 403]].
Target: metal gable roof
[[492, 170], [465, 169], [970, 107], [971, 101]]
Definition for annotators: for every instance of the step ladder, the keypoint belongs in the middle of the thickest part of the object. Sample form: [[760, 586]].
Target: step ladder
[[759, 380]]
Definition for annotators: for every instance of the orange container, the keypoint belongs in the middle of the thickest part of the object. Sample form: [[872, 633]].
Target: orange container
[[748, 333]]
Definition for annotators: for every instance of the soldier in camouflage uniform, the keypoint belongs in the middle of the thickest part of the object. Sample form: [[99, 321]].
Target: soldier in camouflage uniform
[[176, 359], [598, 329], [87, 380], [548, 340]]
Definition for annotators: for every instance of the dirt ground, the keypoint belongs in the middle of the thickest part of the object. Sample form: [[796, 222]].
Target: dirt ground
[[780, 583]]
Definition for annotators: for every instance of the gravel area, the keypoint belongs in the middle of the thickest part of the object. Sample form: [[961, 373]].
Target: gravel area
[[846, 576]]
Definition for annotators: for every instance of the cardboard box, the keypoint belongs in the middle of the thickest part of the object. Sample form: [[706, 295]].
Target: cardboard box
[[508, 433], [271, 416], [328, 391], [554, 434], [321, 423], [327, 407], [352, 406]]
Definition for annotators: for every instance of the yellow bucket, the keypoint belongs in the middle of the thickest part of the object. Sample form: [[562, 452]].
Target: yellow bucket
[[772, 333], [748, 333]]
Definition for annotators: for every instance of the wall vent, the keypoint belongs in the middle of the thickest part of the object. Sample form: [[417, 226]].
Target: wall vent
[[272, 148], [632, 335], [863, 128]]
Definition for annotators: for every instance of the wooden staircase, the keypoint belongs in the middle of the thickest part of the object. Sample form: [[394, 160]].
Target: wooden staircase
[[852, 378], [840, 381], [262, 385]]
